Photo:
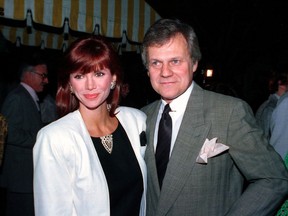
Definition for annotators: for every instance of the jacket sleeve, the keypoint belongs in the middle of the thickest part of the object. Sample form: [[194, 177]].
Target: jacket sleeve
[[52, 191], [262, 167]]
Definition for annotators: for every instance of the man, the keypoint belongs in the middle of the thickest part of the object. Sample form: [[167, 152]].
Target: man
[[279, 126], [279, 135], [237, 172], [22, 113], [279, 86]]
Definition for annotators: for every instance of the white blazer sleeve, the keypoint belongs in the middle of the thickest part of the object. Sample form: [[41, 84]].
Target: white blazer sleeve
[[51, 176]]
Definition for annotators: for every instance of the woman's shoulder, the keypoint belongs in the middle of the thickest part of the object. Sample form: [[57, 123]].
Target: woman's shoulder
[[66, 123], [132, 119], [129, 111]]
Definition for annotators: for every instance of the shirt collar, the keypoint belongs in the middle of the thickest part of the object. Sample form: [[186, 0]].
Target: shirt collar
[[31, 91], [179, 103]]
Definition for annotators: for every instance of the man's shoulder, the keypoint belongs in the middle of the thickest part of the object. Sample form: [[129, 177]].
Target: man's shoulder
[[284, 98], [219, 97], [16, 92], [69, 122], [282, 103], [224, 104], [14, 96], [150, 108]]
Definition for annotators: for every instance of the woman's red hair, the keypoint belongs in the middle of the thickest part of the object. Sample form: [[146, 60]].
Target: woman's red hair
[[85, 55]]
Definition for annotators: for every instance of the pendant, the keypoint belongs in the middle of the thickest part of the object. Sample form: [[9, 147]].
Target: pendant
[[107, 142]]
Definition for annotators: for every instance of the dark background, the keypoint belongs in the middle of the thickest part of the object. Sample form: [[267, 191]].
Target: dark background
[[243, 41]]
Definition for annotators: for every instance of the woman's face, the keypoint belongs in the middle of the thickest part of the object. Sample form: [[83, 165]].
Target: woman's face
[[92, 89]]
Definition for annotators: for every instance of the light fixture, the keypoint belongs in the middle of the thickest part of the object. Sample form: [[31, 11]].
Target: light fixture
[[209, 73]]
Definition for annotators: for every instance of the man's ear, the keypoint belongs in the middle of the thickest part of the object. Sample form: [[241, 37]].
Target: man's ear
[[195, 65], [148, 73]]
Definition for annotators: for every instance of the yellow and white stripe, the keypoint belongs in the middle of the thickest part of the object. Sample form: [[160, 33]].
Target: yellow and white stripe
[[113, 17]]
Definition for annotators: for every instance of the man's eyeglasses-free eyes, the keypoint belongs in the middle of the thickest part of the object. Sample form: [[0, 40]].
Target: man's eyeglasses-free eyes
[[43, 75]]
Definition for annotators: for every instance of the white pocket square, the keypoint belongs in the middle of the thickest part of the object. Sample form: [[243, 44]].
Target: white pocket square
[[210, 149]]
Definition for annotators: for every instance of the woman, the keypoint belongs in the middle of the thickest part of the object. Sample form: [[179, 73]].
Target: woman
[[90, 161]]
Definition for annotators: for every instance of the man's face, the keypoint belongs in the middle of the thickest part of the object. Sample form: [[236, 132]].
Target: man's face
[[38, 77], [170, 68]]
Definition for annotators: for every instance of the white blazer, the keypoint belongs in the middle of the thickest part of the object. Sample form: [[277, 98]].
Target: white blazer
[[68, 177]]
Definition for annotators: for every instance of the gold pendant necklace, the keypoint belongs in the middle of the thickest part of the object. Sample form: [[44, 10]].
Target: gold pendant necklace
[[107, 142]]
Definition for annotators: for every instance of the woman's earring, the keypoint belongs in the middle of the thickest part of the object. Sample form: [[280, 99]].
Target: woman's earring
[[113, 84], [71, 90], [108, 107]]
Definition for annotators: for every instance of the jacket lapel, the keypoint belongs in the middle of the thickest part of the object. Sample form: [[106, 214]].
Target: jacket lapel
[[192, 134], [150, 154]]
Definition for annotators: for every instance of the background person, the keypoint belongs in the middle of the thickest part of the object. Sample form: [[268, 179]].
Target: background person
[[279, 126], [21, 110], [90, 161], [279, 85], [248, 178]]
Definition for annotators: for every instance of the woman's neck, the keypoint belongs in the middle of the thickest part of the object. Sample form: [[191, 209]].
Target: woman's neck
[[98, 121]]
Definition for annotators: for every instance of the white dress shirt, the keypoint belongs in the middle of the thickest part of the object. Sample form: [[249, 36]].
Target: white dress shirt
[[178, 107]]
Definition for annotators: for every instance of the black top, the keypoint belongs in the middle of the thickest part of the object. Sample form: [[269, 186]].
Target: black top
[[122, 173]]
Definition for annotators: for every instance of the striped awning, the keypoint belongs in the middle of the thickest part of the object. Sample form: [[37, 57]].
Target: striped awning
[[125, 20]]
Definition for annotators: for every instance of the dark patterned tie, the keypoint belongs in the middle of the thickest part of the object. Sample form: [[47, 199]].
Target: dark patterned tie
[[163, 143]]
